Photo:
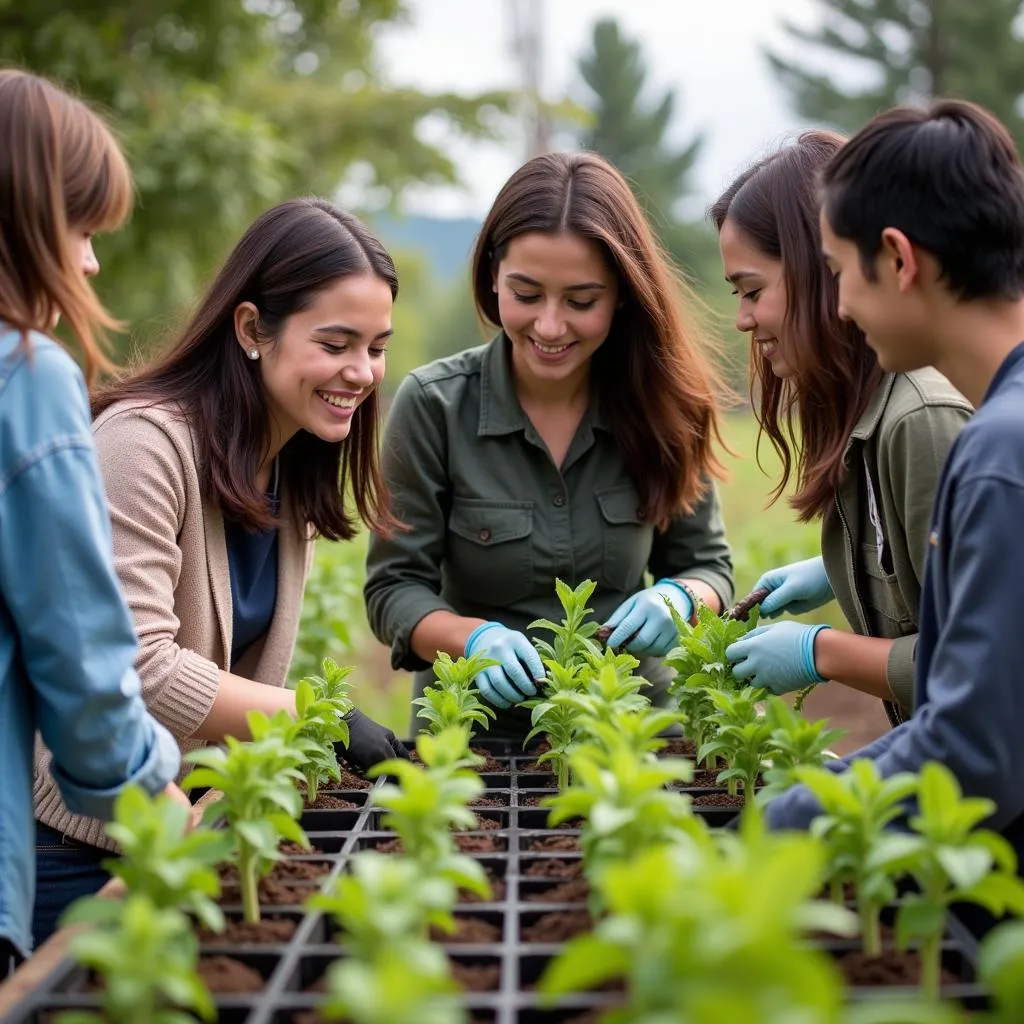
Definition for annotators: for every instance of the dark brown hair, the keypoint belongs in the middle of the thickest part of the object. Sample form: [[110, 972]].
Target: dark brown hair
[[60, 168], [950, 179], [290, 254], [775, 206], [654, 381]]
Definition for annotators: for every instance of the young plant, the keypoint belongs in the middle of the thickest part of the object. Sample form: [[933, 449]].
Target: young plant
[[952, 861], [1001, 971], [321, 726], [146, 959], [607, 690], [427, 802], [260, 802], [455, 701], [857, 807], [716, 938], [794, 743], [640, 730], [555, 716], [741, 739], [163, 861], [572, 641]]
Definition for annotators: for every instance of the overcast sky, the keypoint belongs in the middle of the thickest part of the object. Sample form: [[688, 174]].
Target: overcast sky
[[711, 51]]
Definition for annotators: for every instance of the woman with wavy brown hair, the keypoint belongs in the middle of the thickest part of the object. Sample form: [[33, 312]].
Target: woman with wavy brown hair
[[66, 641], [865, 447], [577, 444]]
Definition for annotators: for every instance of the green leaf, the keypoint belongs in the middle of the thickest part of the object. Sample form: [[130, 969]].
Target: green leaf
[[916, 919], [583, 963]]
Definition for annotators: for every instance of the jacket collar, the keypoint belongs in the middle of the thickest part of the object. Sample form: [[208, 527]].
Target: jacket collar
[[872, 415]]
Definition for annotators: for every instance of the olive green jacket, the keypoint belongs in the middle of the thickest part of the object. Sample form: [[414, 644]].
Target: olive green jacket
[[874, 550], [493, 521]]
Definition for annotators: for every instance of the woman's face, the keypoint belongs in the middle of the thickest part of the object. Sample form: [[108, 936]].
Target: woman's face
[[327, 359], [761, 291], [556, 299], [79, 241]]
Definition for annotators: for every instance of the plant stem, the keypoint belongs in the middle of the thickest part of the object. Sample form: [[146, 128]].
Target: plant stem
[[247, 880], [563, 773], [733, 787], [749, 784], [931, 961], [312, 784], [870, 933]]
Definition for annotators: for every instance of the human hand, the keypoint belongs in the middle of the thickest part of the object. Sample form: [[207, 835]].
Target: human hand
[[795, 588], [519, 668], [176, 794], [369, 742], [779, 658], [643, 622]]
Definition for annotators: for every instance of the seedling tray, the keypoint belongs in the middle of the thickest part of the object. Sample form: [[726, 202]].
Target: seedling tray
[[512, 940]]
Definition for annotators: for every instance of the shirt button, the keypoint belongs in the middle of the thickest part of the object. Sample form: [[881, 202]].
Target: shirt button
[[559, 500], [485, 534]]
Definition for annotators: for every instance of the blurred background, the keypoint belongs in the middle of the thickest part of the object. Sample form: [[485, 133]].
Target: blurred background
[[412, 113]]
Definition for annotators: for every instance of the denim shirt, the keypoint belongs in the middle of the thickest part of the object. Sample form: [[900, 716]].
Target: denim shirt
[[67, 645]]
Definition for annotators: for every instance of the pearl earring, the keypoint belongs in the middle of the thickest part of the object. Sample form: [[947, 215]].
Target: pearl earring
[[254, 353]]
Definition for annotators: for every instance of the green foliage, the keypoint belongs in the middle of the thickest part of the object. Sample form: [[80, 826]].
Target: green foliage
[[857, 807], [913, 51], [145, 957], [260, 803], [320, 703], [455, 700], [795, 742], [164, 862], [741, 738], [721, 912], [572, 641], [1001, 971], [556, 716], [229, 107]]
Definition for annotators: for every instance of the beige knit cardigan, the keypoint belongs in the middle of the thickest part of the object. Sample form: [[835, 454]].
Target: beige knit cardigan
[[171, 557]]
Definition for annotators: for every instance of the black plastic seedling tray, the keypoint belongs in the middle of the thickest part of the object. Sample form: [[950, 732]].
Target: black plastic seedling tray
[[523, 845]]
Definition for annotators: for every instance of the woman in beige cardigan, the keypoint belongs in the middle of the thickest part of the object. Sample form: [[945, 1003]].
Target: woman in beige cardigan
[[221, 463]]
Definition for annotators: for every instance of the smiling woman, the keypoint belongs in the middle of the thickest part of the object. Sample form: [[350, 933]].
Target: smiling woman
[[221, 462]]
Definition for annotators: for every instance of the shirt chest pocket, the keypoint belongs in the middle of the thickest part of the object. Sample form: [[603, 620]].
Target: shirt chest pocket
[[882, 592], [625, 538], [490, 551]]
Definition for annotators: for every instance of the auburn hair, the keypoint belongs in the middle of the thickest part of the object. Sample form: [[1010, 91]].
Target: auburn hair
[[654, 381], [287, 257], [61, 169], [808, 418]]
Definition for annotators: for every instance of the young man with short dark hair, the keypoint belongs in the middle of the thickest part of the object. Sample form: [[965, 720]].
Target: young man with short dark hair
[[923, 225]]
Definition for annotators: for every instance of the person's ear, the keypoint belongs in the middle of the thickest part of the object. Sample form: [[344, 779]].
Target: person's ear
[[898, 253], [247, 320]]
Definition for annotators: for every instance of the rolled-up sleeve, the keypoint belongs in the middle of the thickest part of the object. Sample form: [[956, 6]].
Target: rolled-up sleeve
[[694, 546], [403, 572]]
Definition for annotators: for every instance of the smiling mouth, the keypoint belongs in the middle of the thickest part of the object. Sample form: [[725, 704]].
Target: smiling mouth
[[339, 401], [552, 350]]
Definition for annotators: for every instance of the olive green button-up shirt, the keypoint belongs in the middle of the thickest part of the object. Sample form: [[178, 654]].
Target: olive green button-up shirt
[[492, 520]]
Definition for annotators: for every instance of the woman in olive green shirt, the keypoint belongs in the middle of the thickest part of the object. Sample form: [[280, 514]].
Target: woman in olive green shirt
[[866, 447], [576, 445]]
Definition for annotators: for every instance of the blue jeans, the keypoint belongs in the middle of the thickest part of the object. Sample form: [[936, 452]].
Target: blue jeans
[[65, 870]]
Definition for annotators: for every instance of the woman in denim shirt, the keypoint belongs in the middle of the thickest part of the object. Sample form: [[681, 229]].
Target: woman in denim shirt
[[67, 645]]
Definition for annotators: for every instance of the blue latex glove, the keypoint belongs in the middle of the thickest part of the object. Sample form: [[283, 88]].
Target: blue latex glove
[[520, 668], [645, 621], [795, 588], [779, 658]]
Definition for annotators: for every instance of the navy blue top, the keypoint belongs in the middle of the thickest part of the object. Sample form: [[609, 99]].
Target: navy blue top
[[970, 653], [252, 560]]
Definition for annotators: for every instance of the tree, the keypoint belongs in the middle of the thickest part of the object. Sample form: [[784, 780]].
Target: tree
[[632, 132], [226, 108], [912, 50]]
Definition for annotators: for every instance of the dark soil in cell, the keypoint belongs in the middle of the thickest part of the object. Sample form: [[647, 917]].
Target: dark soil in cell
[[678, 748], [498, 891], [893, 967], [487, 801], [477, 977], [532, 800], [479, 844], [285, 871], [468, 930], [544, 843], [558, 927], [490, 765], [225, 975], [702, 778], [324, 801], [574, 891], [272, 892], [269, 931], [536, 766], [718, 800], [293, 849], [389, 846], [554, 869], [484, 825], [349, 780]]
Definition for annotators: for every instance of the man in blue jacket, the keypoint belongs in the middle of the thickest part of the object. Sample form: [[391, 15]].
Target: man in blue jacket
[[923, 225]]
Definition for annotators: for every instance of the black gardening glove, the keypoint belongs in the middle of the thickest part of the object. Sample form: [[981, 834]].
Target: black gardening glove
[[369, 742]]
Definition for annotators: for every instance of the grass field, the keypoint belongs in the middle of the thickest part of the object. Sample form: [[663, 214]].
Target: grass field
[[334, 620]]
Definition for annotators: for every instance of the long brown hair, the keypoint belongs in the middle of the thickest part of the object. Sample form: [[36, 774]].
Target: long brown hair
[[291, 253], [659, 389], [809, 417], [60, 168]]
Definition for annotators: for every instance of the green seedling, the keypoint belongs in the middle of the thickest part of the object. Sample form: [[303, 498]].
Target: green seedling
[[455, 701], [858, 806], [320, 725], [163, 861], [260, 802], [555, 716], [145, 958], [640, 730], [952, 861], [607, 691], [1001, 971], [741, 739], [572, 641], [795, 742]]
